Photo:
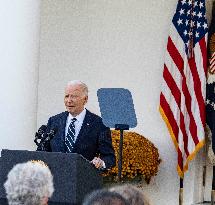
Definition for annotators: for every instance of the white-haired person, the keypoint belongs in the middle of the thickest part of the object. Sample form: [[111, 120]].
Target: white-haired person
[[29, 183], [104, 197], [131, 193]]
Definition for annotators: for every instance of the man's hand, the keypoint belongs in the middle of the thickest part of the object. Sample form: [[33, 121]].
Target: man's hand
[[98, 163]]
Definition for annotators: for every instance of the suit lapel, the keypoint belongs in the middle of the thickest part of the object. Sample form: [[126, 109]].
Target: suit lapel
[[86, 126], [62, 125], [58, 141]]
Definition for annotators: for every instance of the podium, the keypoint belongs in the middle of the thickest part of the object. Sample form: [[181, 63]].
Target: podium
[[74, 177]]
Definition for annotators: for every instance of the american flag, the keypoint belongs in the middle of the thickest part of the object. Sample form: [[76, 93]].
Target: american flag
[[182, 98]]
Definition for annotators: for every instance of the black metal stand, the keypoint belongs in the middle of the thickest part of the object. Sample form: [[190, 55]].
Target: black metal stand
[[39, 141], [181, 192], [120, 127], [43, 145], [213, 187]]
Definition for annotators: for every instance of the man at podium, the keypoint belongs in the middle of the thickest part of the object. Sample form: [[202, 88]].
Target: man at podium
[[77, 130]]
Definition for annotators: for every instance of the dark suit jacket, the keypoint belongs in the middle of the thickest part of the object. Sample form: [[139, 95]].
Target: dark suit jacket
[[94, 138]]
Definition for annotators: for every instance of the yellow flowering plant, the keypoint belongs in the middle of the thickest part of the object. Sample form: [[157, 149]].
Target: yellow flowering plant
[[140, 157]]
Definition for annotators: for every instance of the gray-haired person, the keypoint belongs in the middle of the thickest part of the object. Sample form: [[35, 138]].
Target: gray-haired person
[[134, 195], [29, 183], [105, 197]]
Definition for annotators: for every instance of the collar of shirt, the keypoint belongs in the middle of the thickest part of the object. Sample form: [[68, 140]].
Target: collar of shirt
[[80, 117], [78, 123]]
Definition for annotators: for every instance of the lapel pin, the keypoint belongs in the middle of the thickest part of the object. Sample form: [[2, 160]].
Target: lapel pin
[[88, 124]]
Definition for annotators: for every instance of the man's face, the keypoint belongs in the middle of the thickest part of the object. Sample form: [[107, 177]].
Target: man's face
[[75, 99]]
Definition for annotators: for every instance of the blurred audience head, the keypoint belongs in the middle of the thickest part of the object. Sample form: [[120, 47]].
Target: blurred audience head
[[29, 183], [105, 197], [134, 195]]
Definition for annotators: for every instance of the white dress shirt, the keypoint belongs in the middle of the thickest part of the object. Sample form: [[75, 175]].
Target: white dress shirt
[[78, 123]]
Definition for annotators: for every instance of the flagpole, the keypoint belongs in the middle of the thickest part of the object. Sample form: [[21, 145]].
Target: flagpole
[[210, 111], [213, 187], [181, 192]]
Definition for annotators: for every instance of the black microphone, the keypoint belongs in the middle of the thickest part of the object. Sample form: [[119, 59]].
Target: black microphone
[[48, 136], [39, 134], [42, 130]]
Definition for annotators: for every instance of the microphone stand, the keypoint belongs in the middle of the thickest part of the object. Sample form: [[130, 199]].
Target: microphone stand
[[42, 144], [120, 127]]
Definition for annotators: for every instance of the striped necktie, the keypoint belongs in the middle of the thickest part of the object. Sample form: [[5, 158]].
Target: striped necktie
[[70, 136]]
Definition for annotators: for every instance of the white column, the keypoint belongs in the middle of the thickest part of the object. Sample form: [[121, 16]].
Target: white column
[[19, 51]]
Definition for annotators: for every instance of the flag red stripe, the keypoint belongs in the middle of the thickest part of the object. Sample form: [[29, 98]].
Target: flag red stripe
[[176, 57], [197, 85], [172, 85], [192, 126], [180, 159], [185, 136], [177, 95], [203, 47], [168, 112]]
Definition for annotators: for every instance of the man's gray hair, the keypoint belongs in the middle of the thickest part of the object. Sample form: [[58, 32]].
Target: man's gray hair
[[78, 82], [134, 195], [104, 197], [28, 184]]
